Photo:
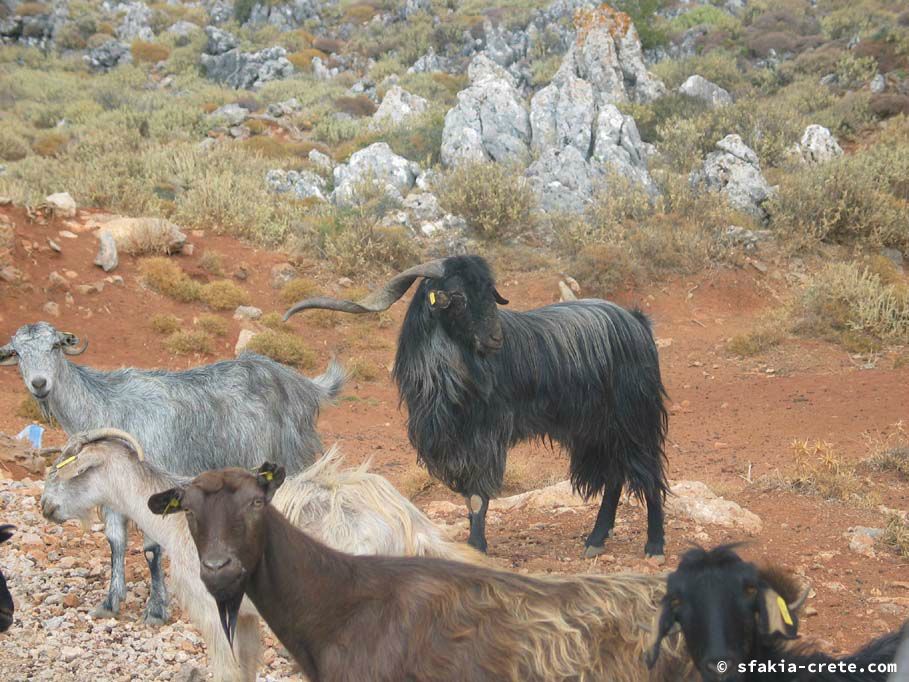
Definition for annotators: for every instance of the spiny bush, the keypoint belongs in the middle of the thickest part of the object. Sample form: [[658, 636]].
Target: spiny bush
[[297, 289], [890, 450], [224, 295], [896, 535], [163, 323], [166, 277], [285, 347], [495, 200], [302, 59], [13, 147], [821, 471], [769, 332], [333, 130], [847, 303], [357, 105], [212, 262], [32, 9], [150, 53], [274, 320], [187, 342], [213, 324], [49, 144]]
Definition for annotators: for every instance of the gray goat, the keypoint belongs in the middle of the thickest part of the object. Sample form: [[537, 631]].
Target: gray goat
[[230, 413]]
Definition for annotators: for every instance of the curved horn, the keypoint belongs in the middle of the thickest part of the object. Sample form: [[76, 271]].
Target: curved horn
[[69, 350], [8, 355], [378, 300], [80, 440]]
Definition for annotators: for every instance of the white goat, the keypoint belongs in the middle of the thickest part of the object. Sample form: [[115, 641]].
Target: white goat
[[351, 510]]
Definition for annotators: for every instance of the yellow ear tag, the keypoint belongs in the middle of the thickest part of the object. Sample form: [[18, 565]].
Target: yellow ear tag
[[172, 505], [784, 610], [267, 475], [432, 298], [68, 460]]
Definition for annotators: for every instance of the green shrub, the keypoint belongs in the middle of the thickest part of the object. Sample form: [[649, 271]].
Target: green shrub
[[187, 342], [297, 289], [333, 130], [285, 347], [224, 295], [12, 146], [494, 199], [32, 9]]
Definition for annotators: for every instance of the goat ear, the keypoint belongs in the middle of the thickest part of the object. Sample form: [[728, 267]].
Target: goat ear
[[6, 532], [270, 477], [499, 298], [775, 617], [166, 502], [663, 623]]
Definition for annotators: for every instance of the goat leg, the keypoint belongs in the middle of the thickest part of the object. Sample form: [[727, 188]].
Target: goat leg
[[115, 531], [477, 506], [156, 608], [655, 538], [602, 527]]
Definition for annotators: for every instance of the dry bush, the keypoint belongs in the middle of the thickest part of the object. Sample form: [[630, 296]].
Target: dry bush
[[361, 369], [849, 304], [365, 247], [224, 295], [357, 105], [890, 450], [212, 262], [274, 320], [275, 148], [770, 331], [149, 53], [285, 347], [49, 144], [495, 200], [820, 471], [896, 535], [416, 482], [29, 409], [523, 475], [166, 277], [213, 324], [360, 13], [32, 9], [13, 147], [187, 342], [302, 59], [886, 105], [165, 324], [297, 289], [328, 45]]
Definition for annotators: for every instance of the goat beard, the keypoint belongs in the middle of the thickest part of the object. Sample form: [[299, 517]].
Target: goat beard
[[228, 611]]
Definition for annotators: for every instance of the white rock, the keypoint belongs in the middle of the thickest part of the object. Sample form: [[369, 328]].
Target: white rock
[[247, 312], [62, 205], [700, 88], [818, 145], [132, 234], [734, 171], [699, 503], [246, 335], [107, 258], [397, 106], [394, 174]]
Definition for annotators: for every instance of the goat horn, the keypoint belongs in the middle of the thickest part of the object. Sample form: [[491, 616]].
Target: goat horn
[[80, 440], [797, 605], [378, 300], [8, 355], [76, 351]]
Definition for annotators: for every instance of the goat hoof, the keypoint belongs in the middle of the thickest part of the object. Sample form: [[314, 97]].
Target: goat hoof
[[591, 551], [153, 620], [103, 613]]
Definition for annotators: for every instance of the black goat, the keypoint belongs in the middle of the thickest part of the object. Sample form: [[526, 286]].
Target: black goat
[[477, 380], [6, 599], [736, 619]]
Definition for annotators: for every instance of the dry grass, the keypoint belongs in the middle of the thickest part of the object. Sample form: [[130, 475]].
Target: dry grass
[[822, 472], [302, 60], [285, 347], [188, 342], [167, 278], [361, 369], [213, 324], [165, 324], [224, 295], [896, 535], [522, 475], [770, 331], [890, 450], [274, 320], [297, 289], [212, 262], [29, 409], [49, 144], [149, 53], [416, 482]]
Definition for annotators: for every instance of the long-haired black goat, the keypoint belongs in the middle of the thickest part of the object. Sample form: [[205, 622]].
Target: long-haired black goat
[[737, 619], [477, 380]]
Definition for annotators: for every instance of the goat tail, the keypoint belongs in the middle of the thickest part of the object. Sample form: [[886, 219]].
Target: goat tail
[[331, 381]]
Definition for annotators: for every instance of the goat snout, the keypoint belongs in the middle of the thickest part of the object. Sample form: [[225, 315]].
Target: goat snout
[[49, 509], [39, 387], [222, 574], [216, 563]]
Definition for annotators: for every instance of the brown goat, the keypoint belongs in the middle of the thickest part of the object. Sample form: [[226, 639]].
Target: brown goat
[[387, 619]]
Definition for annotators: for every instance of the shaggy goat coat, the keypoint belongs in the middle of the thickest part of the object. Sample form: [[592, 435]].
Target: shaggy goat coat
[[585, 374]]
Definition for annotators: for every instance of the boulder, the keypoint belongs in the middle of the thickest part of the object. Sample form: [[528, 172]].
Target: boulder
[[694, 500], [431, 63], [700, 88], [562, 180], [818, 145], [320, 160], [135, 22], [61, 204], [490, 121], [285, 108], [618, 147], [285, 16], [607, 53], [183, 32], [303, 184], [108, 55], [562, 114], [247, 312], [394, 174], [107, 251], [246, 335], [135, 235], [229, 115], [247, 70], [219, 41], [397, 106], [733, 169], [556, 496]]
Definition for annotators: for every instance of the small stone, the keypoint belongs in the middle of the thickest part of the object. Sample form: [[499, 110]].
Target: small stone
[[54, 245], [5, 201], [51, 308], [57, 281], [246, 335], [71, 600], [107, 258], [345, 282], [66, 234], [188, 249], [10, 275]]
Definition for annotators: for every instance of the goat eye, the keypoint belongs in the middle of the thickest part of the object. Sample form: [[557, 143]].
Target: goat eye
[[257, 503], [750, 590], [675, 602]]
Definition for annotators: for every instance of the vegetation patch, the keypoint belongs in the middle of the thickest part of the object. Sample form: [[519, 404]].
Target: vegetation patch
[[188, 342], [896, 535], [213, 324], [285, 347], [166, 277], [297, 289], [165, 324], [224, 295], [149, 53]]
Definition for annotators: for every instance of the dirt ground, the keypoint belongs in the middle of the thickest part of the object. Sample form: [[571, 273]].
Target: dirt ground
[[731, 418]]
